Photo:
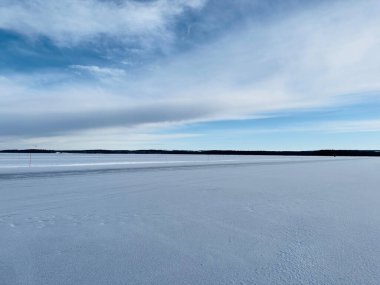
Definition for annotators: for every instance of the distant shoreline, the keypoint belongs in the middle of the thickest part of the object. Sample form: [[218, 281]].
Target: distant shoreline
[[370, 153]]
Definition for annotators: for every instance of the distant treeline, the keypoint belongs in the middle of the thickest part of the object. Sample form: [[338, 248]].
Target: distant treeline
[[327, 152]]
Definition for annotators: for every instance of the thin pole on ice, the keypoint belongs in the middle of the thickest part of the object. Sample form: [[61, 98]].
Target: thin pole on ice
[[30, 156]]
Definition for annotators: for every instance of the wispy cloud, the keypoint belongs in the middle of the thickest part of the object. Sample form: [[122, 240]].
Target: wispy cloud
[[347, 126], [312, 57], [71, 22], [327, 127], [102, 73]]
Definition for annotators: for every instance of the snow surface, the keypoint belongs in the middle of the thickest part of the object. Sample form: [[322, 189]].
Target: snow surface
[[177, 219]]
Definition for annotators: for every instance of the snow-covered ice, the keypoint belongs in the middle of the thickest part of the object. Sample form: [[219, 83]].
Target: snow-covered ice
[[187, 219]]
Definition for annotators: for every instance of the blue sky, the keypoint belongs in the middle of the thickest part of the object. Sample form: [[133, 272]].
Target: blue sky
[[190, 74]]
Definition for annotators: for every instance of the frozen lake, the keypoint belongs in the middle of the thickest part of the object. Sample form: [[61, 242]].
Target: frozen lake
[[177, 219]]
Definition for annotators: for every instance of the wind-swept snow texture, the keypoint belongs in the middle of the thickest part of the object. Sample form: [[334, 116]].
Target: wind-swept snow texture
[[167, 219]]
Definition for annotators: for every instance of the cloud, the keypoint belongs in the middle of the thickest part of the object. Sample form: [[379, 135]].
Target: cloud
[[348, 126], [101, 72], [72, 22], [50, 123], [326, 127], [315, 57]]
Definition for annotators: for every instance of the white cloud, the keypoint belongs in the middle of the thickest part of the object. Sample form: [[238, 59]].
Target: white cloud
[[315, 58], [70, 22], [325, 127], [101, 72]]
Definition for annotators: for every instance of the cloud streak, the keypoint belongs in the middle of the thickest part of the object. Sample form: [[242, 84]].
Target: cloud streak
[[53, 123]]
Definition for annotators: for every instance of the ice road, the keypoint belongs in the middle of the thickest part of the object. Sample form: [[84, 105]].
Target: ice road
[[172, 219]]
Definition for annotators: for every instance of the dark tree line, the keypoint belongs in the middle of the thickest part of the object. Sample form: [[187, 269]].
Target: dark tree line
[[327, 152]]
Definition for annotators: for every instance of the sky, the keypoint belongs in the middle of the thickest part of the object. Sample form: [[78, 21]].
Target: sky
[[190, 74]]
